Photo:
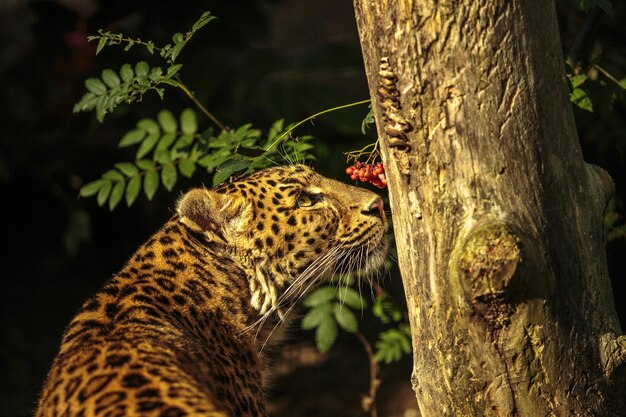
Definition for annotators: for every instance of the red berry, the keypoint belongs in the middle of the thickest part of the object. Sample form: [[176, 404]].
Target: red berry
[[353, 177], [349, 170]]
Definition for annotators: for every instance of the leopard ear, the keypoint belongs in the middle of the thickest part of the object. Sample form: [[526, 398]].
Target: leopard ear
[[218, 216]]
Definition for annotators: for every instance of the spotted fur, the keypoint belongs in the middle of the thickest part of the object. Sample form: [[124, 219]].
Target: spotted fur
[[169, 335]]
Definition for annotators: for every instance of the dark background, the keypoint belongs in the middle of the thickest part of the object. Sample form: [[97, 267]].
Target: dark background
[[261, 61]]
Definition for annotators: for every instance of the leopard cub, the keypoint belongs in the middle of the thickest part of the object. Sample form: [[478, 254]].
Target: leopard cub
[[167, 335]]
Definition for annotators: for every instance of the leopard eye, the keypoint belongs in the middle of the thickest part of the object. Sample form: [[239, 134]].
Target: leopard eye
[[308, 200]]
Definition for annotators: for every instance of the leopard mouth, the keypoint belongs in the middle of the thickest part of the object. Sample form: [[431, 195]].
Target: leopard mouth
[[363, 260]]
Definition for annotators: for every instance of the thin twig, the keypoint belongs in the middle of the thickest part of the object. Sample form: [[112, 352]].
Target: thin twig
[[369, 404], [193, 98]]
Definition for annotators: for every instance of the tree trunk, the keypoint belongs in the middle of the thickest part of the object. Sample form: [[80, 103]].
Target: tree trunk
[[498, 219]]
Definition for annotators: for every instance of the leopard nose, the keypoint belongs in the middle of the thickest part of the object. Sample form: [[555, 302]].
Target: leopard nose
[[377, 208]]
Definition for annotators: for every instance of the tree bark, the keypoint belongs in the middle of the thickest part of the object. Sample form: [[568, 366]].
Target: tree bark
[[498, 219]]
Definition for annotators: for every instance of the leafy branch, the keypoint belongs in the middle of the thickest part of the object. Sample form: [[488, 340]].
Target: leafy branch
[[104, 94]]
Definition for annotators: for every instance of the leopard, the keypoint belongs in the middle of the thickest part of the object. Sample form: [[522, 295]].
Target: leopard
[[169, 335]]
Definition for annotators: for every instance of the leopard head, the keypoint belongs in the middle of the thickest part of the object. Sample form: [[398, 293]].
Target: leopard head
[[291, 229]]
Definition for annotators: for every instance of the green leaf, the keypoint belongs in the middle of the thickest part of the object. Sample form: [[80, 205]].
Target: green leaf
[[173, 53], [113, 175], [188, 121], [110, 78], [145, 164], [346, 318], [187, 167], [581, 100], [147, 145], [212, 160], [316, 315], [116, 194], [169, 176], [184, 141], [95, 86], [155, 73], [165, 141], [178, 38], [101, 44], [320, 296], [577, 80], [87, 102], [326, 334], [204, 19], [132, 137], [149, 125], [172, 70], [150, 47], [132, 190], [91, 188], [226, 169], [103, 193], [127, 168], [151, 184], [127, 73], [250, 152], [142, 68], [351, 297], [367, 121], [167, 121]]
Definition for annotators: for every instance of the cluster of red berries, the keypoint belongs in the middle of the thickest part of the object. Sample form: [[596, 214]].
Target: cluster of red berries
[[373, 173]]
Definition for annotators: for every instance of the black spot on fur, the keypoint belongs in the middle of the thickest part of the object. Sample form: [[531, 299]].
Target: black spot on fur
[[172, 412], [111, 310], [116, 360], [179, 299], [134, 380]]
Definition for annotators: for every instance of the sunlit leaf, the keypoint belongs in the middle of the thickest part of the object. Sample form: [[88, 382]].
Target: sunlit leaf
[[204, 19], [95, 86], [113, 174], [127, 73], [91, 188], [110, 78], [167, 121], [316, 315], [147, 145], [169, 176], [103, 193], [188, 121], [187, 167], [132, 190], [116, 194], [346, 318], [127, 168], [580, 99], [149, 125], [326, 334], [151, 183], [142, 68], [320, 296], [351, 297], [132, 137], [145, 164]]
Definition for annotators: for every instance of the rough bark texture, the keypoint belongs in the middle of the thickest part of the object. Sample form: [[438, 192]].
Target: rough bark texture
[[498, 219]]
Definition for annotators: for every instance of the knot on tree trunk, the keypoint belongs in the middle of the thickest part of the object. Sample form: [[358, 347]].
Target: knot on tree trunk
[[486, 266]]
